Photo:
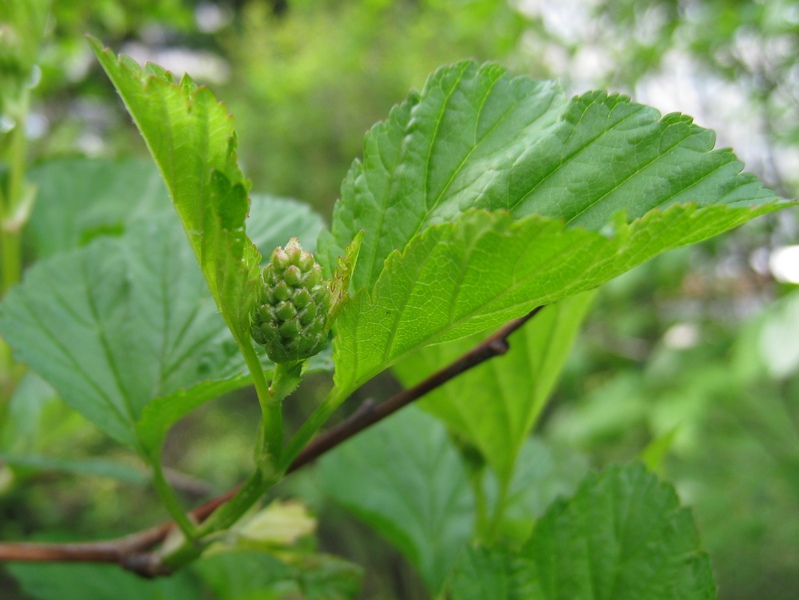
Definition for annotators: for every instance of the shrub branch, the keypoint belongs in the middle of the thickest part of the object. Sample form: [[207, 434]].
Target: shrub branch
[[136, 552]]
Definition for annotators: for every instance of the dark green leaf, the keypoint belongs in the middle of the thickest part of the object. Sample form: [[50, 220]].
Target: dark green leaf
[[70, 581], [481, 573], [405, 479], [623, 536]]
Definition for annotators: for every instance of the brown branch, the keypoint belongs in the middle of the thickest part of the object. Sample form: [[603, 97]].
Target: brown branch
[[369, 414], [135, 552]]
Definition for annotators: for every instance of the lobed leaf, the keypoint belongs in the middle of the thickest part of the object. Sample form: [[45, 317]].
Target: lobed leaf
[[79, 199], [477, 137], [117, 323]]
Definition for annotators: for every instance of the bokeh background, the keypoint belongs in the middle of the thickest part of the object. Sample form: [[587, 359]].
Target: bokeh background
[[691, 359]]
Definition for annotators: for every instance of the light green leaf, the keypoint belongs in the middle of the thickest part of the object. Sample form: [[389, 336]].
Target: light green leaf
[[456, 279], [404, 478], [78, 199], [496, 404], [71, 581], [191, 136], [126, 331], [623, 536], [477, 137]]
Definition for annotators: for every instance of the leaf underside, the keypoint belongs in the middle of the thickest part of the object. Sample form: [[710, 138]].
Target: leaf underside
[[191, 137]]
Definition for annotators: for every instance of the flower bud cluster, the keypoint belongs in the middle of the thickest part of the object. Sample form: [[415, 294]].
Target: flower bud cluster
[[290, 316]]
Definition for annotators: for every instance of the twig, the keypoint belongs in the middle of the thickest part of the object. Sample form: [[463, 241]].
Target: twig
[[135, 552], [369, 414]]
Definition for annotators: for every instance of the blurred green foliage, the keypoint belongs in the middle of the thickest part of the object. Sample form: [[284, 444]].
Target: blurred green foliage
[[677, 360]]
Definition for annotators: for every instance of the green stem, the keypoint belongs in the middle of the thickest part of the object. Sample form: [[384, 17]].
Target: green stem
[[171, 502], [271, 427], [10, 238], [10, 247], [225, 516], [311, 426], [499, 512], [476, 480], [285, 379]]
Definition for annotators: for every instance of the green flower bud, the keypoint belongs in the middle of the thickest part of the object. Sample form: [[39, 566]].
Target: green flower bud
[[290, 317]]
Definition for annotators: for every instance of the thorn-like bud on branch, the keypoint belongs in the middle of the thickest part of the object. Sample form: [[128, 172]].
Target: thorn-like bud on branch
[[290, 317]]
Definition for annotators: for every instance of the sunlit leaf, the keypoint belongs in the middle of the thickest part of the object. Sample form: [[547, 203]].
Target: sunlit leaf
[[477, 137], [456, 279], [191, 137]]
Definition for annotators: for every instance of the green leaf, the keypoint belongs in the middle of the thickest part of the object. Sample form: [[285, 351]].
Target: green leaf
[[71, 581], [404, 478], [252, 575], [622, 536], [117, 323], [482, 573], [496, 405], [96, 467], [125, 329], [78, 199], [191, 136], [477, 137], [543, 473], [456, 279]]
